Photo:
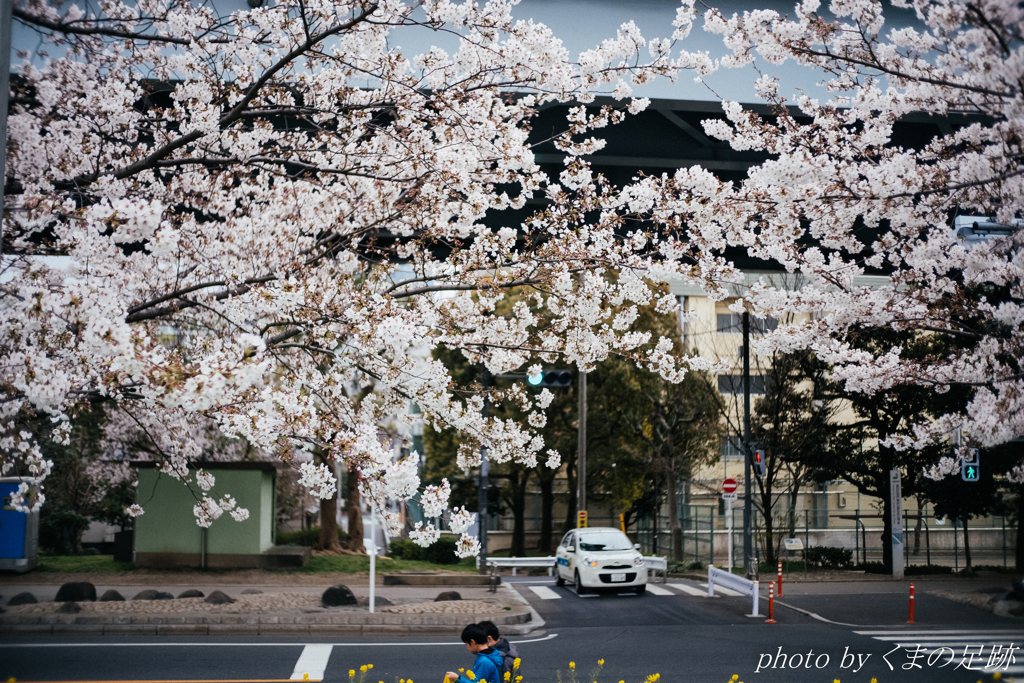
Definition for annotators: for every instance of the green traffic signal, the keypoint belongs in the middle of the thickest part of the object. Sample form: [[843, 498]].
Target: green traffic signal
[[970, 470]]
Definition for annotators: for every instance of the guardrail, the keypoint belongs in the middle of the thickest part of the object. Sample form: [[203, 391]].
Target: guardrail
[[657, 564], [727, 579], [516, 562]]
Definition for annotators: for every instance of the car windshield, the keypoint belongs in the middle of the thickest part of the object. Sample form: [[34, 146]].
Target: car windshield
[[607, 541]]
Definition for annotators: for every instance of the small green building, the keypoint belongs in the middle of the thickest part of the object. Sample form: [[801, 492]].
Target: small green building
[[167, 534]]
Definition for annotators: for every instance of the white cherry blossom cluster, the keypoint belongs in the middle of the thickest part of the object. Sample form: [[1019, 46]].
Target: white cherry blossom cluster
[[424, 535], [434, 499]]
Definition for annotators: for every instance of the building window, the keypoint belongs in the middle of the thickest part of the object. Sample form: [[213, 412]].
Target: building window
[[731, 449], [733, 384], [732, 323]]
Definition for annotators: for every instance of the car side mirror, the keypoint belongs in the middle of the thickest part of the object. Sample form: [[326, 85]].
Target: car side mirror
[[571, 549], [636, 546]]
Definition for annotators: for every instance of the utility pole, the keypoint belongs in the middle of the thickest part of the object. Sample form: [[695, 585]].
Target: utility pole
[[581, 439], [6, 7], [747, 501], [482, 482]]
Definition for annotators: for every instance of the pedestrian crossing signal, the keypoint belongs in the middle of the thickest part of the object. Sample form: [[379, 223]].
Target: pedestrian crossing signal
[[970, 468], [760, 467]]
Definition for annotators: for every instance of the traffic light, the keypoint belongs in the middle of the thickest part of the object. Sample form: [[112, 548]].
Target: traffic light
[[760, 466], [970, 468], [549, 377]]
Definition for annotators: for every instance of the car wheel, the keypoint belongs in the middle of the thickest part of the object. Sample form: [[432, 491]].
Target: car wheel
[[559, 581], [640, 590], [578, 585]]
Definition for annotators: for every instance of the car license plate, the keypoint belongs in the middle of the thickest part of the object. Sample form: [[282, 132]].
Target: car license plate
[[618, 577]]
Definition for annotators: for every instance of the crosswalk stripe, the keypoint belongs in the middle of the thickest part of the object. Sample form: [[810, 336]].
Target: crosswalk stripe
[[725, 591], [688, 589], [658, 590], [312, 663], [545, 593]]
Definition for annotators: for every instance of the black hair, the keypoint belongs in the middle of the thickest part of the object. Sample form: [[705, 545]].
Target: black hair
[[475, 634], [490, 630]]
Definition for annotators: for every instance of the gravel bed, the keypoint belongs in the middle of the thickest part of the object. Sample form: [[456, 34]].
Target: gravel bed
[[265, 602]]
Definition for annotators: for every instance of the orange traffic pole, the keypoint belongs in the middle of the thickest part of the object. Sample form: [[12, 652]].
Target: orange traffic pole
[[780, 578], [771, 604], [911, 604]]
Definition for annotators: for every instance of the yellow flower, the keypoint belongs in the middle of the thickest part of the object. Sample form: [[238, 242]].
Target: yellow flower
[[600, 662], [996, 676], [470, 675], [363, 668], [508, 675], [516, 662], [305, 677], [735, 677], [351, 673], [572, 665], [369, 666]]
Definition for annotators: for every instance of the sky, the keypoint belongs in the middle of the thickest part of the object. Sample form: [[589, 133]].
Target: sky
[[583, 24]]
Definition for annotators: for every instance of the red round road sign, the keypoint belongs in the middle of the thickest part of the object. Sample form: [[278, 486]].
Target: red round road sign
[[729, 485]]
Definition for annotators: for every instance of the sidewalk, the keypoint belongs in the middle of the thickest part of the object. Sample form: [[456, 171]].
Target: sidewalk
[[283, 606]]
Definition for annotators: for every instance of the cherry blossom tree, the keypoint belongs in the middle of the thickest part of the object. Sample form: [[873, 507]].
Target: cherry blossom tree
[[263, 214], [308, 211], [841, 197]]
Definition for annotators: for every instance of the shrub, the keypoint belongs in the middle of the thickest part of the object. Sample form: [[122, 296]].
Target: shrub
[[61, 529], [441, 552], [925, 569], [308, 537], [828, 557], [401, 549]]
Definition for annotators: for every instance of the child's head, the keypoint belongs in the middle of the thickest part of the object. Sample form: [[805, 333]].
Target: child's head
[[475, 638], [491, 631]]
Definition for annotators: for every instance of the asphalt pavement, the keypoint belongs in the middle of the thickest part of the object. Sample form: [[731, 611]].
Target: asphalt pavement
[[851, 632]]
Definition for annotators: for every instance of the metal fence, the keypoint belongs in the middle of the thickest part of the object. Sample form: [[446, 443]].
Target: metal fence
[[704, 539]]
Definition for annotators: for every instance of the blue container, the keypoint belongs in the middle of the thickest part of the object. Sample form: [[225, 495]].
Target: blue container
[[19, 531]]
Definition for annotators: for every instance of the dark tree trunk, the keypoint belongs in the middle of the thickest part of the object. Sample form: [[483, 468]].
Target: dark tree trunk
[[673, 511], [547, 513], [329, 524], [967, 546], [519, 515], [1019, 555], [355, 514], [329, 515], [886, 531]]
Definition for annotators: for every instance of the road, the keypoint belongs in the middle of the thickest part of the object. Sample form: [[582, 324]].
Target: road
[[673, 631]]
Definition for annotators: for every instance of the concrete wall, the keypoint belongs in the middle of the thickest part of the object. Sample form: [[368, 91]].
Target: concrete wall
[[167, 534]]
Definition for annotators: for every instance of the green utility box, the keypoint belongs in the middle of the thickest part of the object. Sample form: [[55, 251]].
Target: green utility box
[[167, 535]]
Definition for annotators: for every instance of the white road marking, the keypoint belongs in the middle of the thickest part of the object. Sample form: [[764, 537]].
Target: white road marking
[[687, 588], [545, 593], [724, 591], [658, 590], [312, 663], [930, 632]]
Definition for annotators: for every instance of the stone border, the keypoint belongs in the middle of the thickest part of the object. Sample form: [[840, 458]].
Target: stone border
[[253, 623]]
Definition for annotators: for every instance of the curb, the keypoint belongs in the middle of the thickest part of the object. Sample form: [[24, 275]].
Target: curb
[[350, 623], [535, 622]]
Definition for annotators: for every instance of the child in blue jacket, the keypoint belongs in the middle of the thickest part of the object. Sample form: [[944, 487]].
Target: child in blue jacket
[[487, 666]]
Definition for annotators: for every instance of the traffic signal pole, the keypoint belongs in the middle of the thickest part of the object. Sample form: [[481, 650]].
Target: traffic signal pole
[[581, 452], [747, 501]]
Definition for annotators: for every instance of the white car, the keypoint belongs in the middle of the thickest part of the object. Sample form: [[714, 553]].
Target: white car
[[600, 557]]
